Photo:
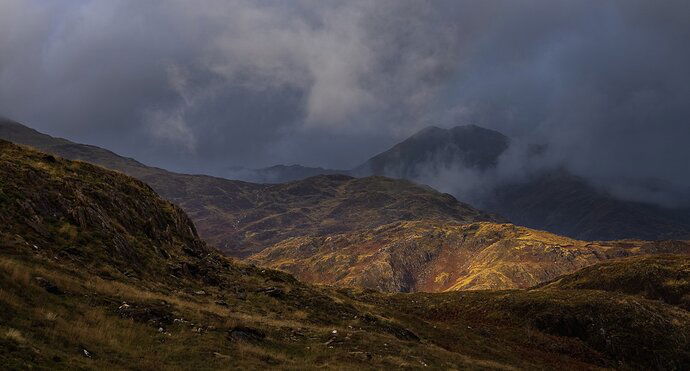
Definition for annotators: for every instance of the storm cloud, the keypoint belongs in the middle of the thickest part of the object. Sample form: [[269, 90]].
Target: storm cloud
[[199, 86]]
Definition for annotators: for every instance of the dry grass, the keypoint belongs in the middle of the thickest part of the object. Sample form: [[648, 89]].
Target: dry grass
[[50, 316], [17, 272], [68, 231], [16, 335], [102, 330]]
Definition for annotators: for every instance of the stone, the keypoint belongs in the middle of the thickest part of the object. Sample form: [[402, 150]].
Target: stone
[[49, 286]]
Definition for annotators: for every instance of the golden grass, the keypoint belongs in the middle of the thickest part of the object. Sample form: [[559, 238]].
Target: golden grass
[[98, 328], [16, 335], [50, 316]]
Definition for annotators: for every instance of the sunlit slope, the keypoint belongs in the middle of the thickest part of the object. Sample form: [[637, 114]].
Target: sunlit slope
[[431, 256]]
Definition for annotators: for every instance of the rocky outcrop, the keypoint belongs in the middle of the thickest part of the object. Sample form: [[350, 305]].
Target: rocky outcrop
[[82, 212]]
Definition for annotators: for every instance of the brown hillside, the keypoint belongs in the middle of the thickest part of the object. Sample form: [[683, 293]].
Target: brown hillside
[[661, 277], [434, 257]]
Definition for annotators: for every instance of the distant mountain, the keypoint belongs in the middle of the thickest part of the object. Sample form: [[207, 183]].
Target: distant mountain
[[279, 173], [427, 151], [242, 218], [562, 203], [434, 148], [328, 204], [435, 256], [555, 200]]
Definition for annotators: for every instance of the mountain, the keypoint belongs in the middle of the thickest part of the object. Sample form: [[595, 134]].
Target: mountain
[[435, 257], [98, 272], [279, 173], [469, 146], [556, 201], [562, 203], [434, 148], [242, 218], [427, 151], [324, 205], [552, 200], [20, 134]]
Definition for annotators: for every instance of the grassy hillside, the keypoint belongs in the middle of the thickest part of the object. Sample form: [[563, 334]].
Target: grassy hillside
[[665, 277], [97, 272], [433, 256], [593, 326]]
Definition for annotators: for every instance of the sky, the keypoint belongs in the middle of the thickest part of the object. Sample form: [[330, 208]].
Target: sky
[[201, 86]]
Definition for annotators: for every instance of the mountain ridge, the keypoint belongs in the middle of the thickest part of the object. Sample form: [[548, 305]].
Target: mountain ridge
[[241, 218], [551, 199]]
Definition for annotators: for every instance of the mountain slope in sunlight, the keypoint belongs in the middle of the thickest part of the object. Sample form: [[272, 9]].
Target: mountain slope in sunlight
[[433, 257]]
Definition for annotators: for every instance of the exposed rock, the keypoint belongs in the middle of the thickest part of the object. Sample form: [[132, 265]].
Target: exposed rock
[[49, 286], [158, 315], [86, 353], [273, 292], [246, 334]]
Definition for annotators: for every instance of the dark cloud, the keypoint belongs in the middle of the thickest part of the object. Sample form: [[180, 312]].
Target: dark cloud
[[204, 85]]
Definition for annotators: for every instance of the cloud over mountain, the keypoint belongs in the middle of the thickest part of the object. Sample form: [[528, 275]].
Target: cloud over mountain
[[205, 85]]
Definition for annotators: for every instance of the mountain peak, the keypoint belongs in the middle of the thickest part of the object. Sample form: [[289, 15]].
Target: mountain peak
[[469, 146], [429, 130]]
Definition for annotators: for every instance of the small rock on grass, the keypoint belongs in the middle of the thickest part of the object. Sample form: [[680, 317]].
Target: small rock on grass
[[49, 286]]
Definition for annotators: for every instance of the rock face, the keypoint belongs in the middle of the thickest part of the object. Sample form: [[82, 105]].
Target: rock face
[[242, 218], [434, 257]]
